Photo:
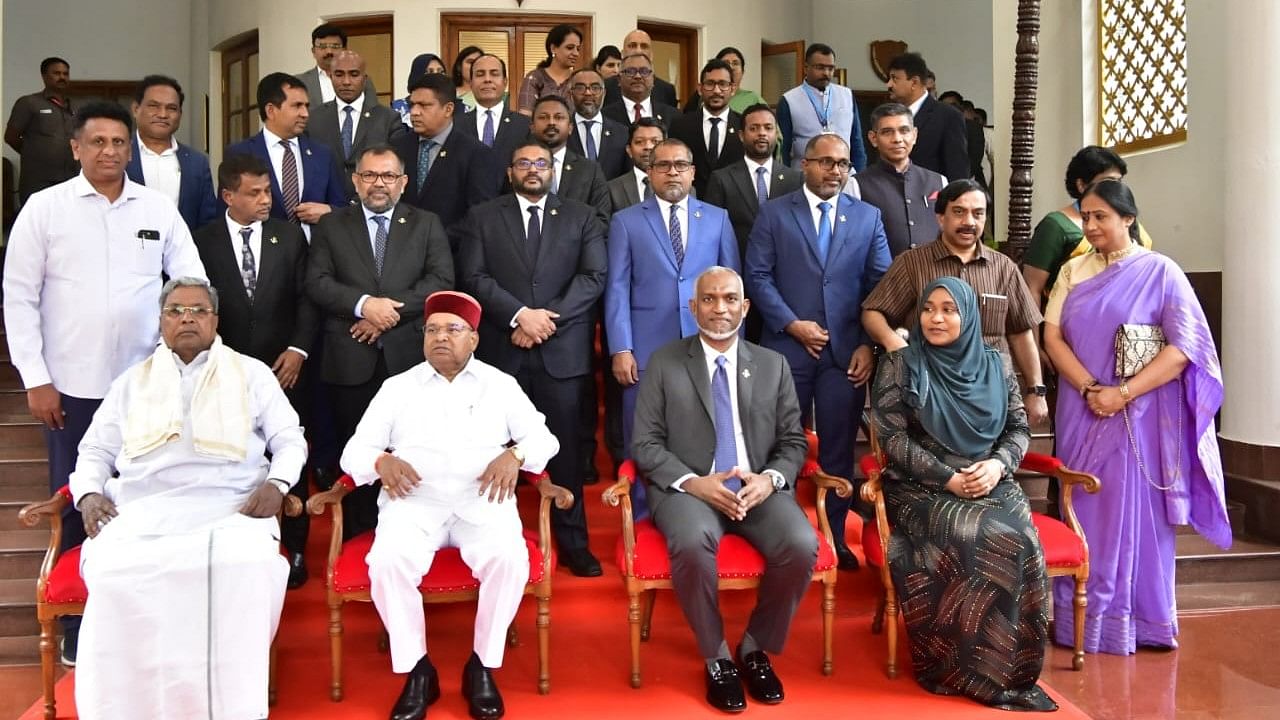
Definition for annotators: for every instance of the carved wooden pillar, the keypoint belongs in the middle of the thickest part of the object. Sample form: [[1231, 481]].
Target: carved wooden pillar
[[1026, 77]]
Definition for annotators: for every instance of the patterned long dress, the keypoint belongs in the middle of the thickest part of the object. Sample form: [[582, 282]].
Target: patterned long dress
[[969, 573]]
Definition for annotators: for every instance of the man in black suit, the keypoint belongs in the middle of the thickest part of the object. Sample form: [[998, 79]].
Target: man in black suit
[[258, 265], [940, 131], [447, 172], [326, 42], [637, 99], [573, 177], [633, 187], [741, 188], [711, 131], [371, 268], [596, 137], [718, 461], [348, 124], [536, 262], [638, 41], [491, 122]]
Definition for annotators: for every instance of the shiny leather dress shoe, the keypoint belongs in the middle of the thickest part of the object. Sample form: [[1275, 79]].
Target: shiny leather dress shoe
[[484, 702], [581, 562], [724, 687], [297, 571], [421, 688], [757, 672], [845, 559], [324, 478]]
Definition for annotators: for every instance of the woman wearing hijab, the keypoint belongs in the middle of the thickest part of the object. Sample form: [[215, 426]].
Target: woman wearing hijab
[[964, 555], [421, 65]]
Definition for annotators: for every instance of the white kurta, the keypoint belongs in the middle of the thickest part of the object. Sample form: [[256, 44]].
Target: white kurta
[[185, 593], [449, 432]]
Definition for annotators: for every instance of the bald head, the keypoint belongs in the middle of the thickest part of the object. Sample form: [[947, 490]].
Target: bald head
[[637, 41], [347, 73]]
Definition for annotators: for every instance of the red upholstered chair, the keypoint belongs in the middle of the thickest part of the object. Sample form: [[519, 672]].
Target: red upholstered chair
[[646, 567], [450, 580], [1066, 552], [61, 591]]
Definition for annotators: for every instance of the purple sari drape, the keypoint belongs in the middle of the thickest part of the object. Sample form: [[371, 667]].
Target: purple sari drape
[[1130, 522]]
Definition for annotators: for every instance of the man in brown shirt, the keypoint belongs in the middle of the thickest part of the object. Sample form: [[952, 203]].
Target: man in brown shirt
[[1009, 313], [40, 129]]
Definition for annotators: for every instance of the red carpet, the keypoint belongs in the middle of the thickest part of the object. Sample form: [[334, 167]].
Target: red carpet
[[589, 649]]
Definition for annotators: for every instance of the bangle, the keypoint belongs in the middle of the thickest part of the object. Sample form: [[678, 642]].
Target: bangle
[[1124, 392]]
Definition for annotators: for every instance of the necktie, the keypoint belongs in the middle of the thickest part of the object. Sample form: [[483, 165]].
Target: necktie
[[638, 113], [289, 181], [555, 175], [713, 147], [424, 161], [762, 190], [589, 138], [677, 238], [824, 232], [648, 189], [726, 443], [534, 236], [346, 131], [380, 243], [248, 270], [487, 137]]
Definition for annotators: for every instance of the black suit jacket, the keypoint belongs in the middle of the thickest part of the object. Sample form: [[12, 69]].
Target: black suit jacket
[[567, 276], [940, 140], [611, 155], [584, 181], [663, 113], [378, 125], [687, 128], [509, 130], [663, 91], [341, 269], [734, 189], [280, 315], [465, 173]]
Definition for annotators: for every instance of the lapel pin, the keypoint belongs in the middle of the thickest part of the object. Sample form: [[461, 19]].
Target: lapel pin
[[731, 130], [553, 211], [308, 151], [567, 168], [779, 176], [401, 221], [506, 119], [746, 373], [273, 240], [697, 213], [841, 218], [608, 133], [444, 153], [368, 114]]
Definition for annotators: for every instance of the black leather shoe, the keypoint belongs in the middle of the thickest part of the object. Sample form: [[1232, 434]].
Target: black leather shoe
[[845, 559], [421, 688], [324, 478], [757, 673], [581, 562], [724, 687], [484, 702], [297, 571]]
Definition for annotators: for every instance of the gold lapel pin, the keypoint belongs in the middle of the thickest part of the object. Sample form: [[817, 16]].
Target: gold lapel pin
[[730, 130], [506, 119], [368, 114], [308, 151], [273, 240], [567, 168], [401, 221], [779, 176], [841, 218], [608, 133], [746, 373], [444, 153], [553, 211]]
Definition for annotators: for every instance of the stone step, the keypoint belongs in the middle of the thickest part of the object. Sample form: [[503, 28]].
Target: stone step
[[20, 430], [9, 377], [24, 465], [13, 401], [1262, 498], [1235, 514], [1248, 560], [1194, 597], [18, 607], [20, 651], [22, 551]]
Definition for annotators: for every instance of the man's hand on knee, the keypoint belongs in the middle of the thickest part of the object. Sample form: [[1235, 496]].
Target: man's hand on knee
[[711, 490], [264, 502], [756, 488], [398, 477], [96, 510], [499, 477]]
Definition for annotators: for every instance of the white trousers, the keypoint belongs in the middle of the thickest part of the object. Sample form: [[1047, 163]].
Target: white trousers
[[180, 626], [402, 553]]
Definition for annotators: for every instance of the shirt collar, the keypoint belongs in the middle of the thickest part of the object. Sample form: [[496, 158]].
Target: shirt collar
[[724, 114], [578, 119], [440, 137], [234, 225], [83, 188], [641, 175], [665, 206], [558, 155], [427, 373], [752, 165], [274, 140], [525, 204], [940, 251], [355, 108], [731, 354], [369, 214], [813, 199], [142, 147], [915, 106]]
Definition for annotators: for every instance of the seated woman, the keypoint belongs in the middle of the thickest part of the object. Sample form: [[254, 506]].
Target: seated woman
[[965, 558]]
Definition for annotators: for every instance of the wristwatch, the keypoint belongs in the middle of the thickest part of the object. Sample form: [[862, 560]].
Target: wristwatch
[[518, 453], [779, 482], [1037, 390], [280, 485]]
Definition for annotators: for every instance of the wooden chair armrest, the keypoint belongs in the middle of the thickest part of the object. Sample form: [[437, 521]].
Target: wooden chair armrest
[[842, 487], [32, 514], [619, 495], [317, 503], [552, 493], [1069, 477], [292, 506], [872, 490]]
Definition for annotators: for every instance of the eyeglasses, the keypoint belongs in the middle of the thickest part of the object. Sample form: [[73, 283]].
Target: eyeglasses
[[453, 330], [327, 46], [595, 88], [199, 312], [371, 177], [826, 163], [636, 72], [946, 310], [716, 84], [526, 163], [666, 166]]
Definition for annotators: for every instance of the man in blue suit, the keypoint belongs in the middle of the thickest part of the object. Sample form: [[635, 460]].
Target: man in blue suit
[[813, 256], [657, 249], [161, 162], [305, 182]]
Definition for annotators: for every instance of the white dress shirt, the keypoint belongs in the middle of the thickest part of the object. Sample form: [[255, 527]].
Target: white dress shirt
[[255, 247], [355, 115], [497, 121], [557, 166], [682, 211], [723, 126], [813, 201], [768, 172], [646, 108], [914, 107], [161, 171], [276, 152], [597, 130], [82, 286], [640, 176], [327, 92]]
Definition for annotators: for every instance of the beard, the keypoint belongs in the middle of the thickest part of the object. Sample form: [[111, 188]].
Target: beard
[[725, 335]]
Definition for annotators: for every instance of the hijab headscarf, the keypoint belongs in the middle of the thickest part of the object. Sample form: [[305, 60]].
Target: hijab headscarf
[[957, 390]]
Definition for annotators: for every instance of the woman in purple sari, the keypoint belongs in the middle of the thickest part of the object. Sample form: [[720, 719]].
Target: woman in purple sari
[[1150, 437]]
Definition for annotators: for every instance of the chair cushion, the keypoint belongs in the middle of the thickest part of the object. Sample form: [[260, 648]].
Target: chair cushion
[[871, 544], [1062, 548], [65, 584], [737, 558], [448, 572]]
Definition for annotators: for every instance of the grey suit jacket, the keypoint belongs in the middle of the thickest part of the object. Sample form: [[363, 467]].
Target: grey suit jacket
[[623, 192], [311, 78], [674, 431], [584, 181], [378, 125]]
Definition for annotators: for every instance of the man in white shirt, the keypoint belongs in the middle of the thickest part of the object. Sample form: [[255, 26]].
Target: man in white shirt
[[81, 279], [597, 138], [183, 567], [162, 163], [326, 42], [712, 130], [461, 431]]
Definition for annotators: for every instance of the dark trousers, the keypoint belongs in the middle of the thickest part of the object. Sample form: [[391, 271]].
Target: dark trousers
[[294, 530], [360, 506], [603, 363], [63, 448], [777, 528], [560, 400]]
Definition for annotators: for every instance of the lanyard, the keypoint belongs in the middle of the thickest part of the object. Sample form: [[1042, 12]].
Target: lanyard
[[824, 113]]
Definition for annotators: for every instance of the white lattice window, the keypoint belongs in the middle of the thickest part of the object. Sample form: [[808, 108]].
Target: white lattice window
[[1142, 63]]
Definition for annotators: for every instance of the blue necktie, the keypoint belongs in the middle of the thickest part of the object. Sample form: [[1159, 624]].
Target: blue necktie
[[487, 137], [380, 243], [726, 442], [347, 131], [424, 161], [248, 270], [762, 190], [590, 139], [824, 232], [677, 238]]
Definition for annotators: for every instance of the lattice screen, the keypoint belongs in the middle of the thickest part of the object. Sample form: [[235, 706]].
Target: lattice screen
[[1142, 62]]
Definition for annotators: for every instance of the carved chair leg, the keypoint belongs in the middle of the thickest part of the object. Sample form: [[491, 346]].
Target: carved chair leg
[[47, 661], [828, 620], [544, 644], [646, 622], [1081, 601], [633, 620], [335, 650], [891, 620]]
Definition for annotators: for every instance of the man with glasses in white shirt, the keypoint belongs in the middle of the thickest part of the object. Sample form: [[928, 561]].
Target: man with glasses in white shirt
[[599, 139]]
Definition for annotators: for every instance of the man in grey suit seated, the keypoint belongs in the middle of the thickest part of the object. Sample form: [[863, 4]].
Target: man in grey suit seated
[[721, 456]]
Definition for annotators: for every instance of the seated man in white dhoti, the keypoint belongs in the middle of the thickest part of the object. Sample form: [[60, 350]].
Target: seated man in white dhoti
[[183, 565], [448, 439]]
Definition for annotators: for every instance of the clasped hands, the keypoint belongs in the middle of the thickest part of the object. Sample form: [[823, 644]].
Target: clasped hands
[[380, 315], [533, 327], [1104, 400], [498, 480], [976, 480], [756, 487]]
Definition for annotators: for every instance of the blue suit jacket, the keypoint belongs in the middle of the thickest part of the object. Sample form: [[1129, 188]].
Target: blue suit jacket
[[197, 202], [787, 281], [646, 299], [321, 182]]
